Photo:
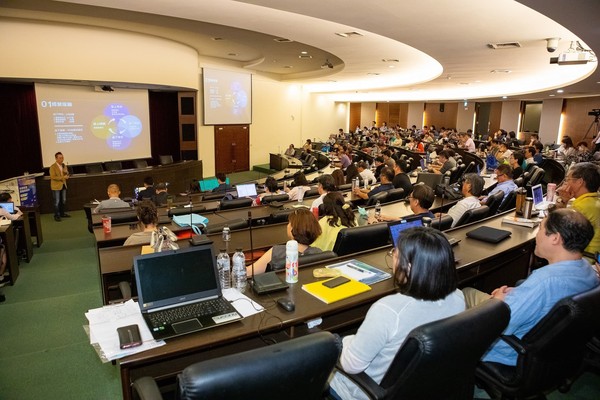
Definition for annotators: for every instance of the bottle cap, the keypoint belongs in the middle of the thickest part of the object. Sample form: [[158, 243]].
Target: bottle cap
[[238, 249], [222, 250]]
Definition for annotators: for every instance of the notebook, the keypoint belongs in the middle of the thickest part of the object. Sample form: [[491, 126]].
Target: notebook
[[331, 295], [8, 206], [430, 179], [246, 190], [538, 198], [487, 234], [172, 282]]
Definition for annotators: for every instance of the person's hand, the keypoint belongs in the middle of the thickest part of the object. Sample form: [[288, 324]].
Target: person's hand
[[501, 292]]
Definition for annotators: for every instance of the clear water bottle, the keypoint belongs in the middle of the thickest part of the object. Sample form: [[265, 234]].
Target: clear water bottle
[[226, 234], [240, 279], [378, 209], [224, 268]]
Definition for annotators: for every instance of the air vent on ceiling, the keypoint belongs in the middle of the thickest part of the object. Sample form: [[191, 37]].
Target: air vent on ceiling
[[390, 60], [349, 34], [505, 45], [305, 56], [283, 40], [217, 38]]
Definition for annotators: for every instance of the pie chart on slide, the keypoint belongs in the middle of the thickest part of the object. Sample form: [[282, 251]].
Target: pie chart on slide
[[116, 126]]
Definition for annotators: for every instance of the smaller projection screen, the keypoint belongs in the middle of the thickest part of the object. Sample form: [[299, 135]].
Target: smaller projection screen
[[227, 97], [89, 126]]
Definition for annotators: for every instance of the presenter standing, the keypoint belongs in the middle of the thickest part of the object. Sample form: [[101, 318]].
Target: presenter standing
[[58, 183]]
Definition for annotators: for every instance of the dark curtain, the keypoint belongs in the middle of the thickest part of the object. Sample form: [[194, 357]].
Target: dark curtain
[[20, 131], [164, 125]]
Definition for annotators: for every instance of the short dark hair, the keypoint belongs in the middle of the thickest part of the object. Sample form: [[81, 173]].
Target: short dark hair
[[58, 153], [589, 172], [4, 197], [519, 156], [305, 227], [531, 149], [403, 165], [445, 153], [388, 173], [538, 146], [221, 176], [336, 210], [476, 183], [271, 184], [149, 181], [424, 194], [505, 169], [573, 227], [300, 179], [425, 268], [327, 182], [146, 213]]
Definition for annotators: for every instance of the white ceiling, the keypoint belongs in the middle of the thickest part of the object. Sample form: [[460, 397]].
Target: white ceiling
[[440, 45]]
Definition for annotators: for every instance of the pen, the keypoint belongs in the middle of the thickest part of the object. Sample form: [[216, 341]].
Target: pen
[[354, 267]]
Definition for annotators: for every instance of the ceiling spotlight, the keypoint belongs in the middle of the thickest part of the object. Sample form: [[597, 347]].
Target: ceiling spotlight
[[327, 64]]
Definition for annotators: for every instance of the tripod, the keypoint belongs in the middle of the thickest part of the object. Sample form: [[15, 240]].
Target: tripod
[[595, 125]]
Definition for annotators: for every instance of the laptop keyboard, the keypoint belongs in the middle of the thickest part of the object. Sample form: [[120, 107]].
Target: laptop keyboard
[[204, 308]]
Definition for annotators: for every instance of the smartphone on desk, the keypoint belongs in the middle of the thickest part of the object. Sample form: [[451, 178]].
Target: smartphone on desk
[[335, 282], [129, 336]]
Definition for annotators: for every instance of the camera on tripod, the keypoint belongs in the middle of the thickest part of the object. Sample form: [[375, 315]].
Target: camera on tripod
[[595, 112]]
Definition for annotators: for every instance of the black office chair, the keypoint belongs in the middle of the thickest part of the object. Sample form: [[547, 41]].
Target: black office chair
[[140, 164], [360, 238], [473, 215], [456, 174], [550, 354], [234, 224], [509, 202], [274, 197], [113, 165], [443, 223], [165, 160], [235, 203], [344, 187], [537, 175], [493, 202], [394, 195], [185, 210], [437, 360], [520, 181], [296, 369], [381, 197], [280, 216], [95, 168]]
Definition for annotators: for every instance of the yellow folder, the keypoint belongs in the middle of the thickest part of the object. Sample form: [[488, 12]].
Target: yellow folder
[[331, 295]]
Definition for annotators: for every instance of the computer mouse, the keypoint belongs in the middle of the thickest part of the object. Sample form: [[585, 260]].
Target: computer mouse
[[286, 304]]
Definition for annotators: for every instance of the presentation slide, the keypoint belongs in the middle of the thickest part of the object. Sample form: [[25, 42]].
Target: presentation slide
[[227, 97], [90, 126]]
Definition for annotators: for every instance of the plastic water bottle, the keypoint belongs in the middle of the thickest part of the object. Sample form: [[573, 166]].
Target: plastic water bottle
[[378, 209], [224, 268], [291, 261], [240, 280]]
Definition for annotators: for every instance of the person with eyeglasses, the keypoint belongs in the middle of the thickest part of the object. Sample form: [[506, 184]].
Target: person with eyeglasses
[[504, 177], [419, 201]]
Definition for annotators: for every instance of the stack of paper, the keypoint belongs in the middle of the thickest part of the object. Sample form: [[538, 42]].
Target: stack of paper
[[530, 223]]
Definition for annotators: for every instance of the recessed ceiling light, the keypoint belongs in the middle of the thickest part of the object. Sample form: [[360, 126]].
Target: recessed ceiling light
[[505, 97], [304, 52], [552, 95], [391, 66], [560, 91]]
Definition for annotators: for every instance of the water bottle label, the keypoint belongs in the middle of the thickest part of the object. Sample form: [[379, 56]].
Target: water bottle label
[[291, 272]]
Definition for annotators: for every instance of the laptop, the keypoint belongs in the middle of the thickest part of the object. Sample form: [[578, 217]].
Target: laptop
[[430, 179], [179, 292], [246, 190], [538, 198], [395, 227], [8, 206]]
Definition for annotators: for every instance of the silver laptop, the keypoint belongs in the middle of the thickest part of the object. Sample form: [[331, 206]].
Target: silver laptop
[[179, 292], [538, 198], [246, 190]]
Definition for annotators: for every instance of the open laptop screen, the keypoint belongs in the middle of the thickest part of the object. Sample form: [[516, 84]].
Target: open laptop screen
[[175, 277], [8, 206], [246, 190], [396, 227], [538, 194]]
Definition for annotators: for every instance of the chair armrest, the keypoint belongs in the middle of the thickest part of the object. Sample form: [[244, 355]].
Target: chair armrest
[[147, 389], [364, 382], [125, 289], [515, 343]]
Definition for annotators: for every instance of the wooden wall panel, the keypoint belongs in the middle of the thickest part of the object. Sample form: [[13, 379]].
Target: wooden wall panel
[[355, 109], [446, 118], [495, 116], [576, 121], [382, 114]]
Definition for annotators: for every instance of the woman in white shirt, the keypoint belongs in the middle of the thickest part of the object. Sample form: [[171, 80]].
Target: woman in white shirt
[[300, 183], [425, 275]]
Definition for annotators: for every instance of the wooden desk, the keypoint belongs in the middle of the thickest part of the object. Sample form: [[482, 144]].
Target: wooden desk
[[7, 234], [480, 264]]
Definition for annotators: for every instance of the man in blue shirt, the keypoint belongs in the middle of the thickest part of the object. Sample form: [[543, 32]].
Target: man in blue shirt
[[562, 236], [505, 182], [386, 184]]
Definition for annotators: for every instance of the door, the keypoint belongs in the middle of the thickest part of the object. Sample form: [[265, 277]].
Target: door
[[232, 148]]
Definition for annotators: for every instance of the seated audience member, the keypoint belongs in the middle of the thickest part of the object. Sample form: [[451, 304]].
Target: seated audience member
[[503, 153], [445, 162], [583, 152], [114, 201], [300, 183], [160, 199], [425, 276], [290, 150], [379, 165], [472, 187], [326, 184], [148, 217], [338, 177], [387, 175], [303, 228], [149, 192], [516, 161], [529, 155], [7, 198], [223, 185], [307, 145], [387, 158], [344, 160], [538, 157], [582, 183], [351, 173], [505, 182], [271, 189], [466, 142], [419, 201], [401, 179], [366, 174], [562, 236], [337, 214], [533, 139]]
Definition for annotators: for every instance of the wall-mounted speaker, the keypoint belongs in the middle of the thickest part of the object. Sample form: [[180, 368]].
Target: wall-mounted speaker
[[441, 107]]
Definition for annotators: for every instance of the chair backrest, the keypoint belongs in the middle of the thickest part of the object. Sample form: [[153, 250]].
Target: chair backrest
[[124, 216], [235, 203], [113, 165], [520, 181], [509, 202], [442, 223], [316, 257], [360, 238], [381, 197], [274, 197], [473, 215], [556, 345], [395, 194], [234, 224], [140, 163], [456, 174], [312, 192], [493, 202], [280, 215], [166, 159], [296, 369], [345, 186], [185, 210], [95, 168], [437, 360], [537, 175]]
